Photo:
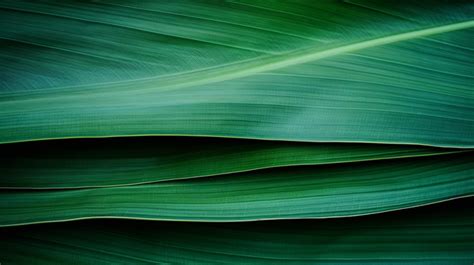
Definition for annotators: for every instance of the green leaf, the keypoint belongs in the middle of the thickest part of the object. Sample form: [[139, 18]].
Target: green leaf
[[295, 192], [345, 71], [109, 162], [437, 235]]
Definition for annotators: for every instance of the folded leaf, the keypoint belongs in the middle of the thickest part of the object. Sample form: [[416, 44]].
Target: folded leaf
[[440, 234], [346, 71], [295, 192], [127, 161]]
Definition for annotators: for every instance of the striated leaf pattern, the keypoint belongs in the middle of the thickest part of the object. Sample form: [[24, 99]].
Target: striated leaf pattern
[[439, 235], [288, 71], [222, 123]]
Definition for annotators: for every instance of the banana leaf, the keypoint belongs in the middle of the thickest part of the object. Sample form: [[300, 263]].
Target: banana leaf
[[284, 193], [438, 235], [319, 71], [126, 161]]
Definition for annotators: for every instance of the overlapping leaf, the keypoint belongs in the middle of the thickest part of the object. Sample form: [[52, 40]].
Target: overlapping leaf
[[113, 162], [297, 192], [441, 235]]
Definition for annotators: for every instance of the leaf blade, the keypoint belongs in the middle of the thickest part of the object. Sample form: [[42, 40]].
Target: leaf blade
[[306, 192], [254, 106], [128, 161], [443, 232]]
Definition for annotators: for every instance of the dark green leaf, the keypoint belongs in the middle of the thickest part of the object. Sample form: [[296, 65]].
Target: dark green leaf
[[436, 235], [108, 162], [295, 192]]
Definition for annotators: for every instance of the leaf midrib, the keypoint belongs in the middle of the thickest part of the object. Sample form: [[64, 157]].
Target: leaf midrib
[[239, 69], [313, 54]]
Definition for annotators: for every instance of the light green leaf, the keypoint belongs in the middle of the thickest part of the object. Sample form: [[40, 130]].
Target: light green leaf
[[295, 192], [109, 162], [436, 235], [346, 71]]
